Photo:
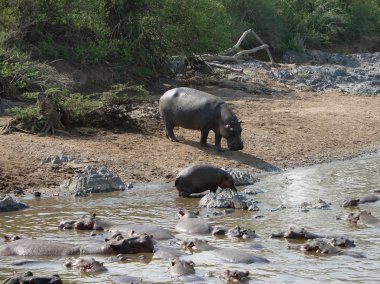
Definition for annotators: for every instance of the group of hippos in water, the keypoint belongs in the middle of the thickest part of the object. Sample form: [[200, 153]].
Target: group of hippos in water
[[191, 109]]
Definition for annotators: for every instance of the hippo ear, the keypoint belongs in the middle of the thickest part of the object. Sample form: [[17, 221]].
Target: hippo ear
[[181, 212], [173, 263]]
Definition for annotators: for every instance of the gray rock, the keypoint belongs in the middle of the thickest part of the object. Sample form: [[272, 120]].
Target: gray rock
[[322, 71], [319, 204], [241, 177], [60, 159], [177, 64], [8, 203], [227, 198], [94, 181]]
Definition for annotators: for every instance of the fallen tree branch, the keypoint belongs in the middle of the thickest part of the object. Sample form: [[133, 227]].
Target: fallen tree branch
[[231, 52], [225, 67], [253, 50]]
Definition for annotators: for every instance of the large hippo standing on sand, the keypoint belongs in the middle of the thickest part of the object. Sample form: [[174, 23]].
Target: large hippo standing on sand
[[199, 178], [193, 109]]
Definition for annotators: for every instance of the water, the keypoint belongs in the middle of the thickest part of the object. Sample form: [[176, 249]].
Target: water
[[159, 204]]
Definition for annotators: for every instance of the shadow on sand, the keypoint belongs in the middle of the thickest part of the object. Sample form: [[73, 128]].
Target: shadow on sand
[[238, 156]]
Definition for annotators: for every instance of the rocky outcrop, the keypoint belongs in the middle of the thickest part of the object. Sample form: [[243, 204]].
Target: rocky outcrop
[[241, 177], [94, 181], [8, 203], [228, 198]]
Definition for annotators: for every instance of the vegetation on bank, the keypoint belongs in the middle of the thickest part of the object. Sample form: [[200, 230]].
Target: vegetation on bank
[[139, 36]]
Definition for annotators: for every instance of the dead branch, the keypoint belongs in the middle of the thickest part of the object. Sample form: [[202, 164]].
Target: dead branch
[[233, 52], [225, 67]]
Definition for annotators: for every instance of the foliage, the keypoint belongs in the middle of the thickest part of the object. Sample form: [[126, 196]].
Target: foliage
[[29, 117], [18, 73]]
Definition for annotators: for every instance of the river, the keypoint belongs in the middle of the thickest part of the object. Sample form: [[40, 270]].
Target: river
[[158, 204]]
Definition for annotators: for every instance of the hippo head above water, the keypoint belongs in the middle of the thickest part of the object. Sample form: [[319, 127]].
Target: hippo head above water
[[181, 267], [138, 244], [85, 265]]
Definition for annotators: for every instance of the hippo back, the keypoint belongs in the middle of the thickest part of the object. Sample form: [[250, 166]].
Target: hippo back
[[190, 108], [34, 247]]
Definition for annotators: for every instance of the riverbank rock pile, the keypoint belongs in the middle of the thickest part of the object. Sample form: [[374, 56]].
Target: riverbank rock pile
[[321, 71], [93, 181], [227, 198], [8, 203], [241, 177]]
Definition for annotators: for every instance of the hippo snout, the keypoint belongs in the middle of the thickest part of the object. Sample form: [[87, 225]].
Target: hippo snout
[[235, 146]]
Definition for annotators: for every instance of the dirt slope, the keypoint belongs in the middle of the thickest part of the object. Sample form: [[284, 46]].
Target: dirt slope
[[296, 129]]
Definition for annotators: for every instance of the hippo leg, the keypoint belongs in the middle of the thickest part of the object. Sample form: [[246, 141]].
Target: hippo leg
[[218, 139], [204, 134], [169, 131], [213, 189], [183, 193]]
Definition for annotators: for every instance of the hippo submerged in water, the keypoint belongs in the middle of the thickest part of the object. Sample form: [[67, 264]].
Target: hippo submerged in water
[[193, 109], [29, 278], [199, 178], [93, 223], [116, 245], [325, 247], [191, 223]]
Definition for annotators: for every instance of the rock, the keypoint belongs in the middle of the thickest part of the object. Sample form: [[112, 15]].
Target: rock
[[94, 181], [319, 204], [60, 159], [227, 198], [241, 177], [322, 71], [177, 64], [253, 190], [7, 203]]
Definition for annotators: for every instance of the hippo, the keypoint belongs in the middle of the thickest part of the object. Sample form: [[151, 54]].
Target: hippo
[[365, 199], [231, 255], [199, 178], [298, 234], [197, 110], [190, 223], [302, 234], [36, 247], [29, 278], [11, 238], [85, 265], [363, 218], [228, 276], [321, 246], [183, 270], [94, 223], [238, 232], [84, 223]]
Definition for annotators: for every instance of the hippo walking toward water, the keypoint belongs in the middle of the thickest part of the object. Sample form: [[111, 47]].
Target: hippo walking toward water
[[199, 178], [193, 109]]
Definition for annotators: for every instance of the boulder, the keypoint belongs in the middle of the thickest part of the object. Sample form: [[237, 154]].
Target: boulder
[[94, 181], [228, 198], [8, 203]]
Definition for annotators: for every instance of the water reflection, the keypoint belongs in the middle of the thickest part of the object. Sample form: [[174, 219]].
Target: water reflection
[[159, 204]]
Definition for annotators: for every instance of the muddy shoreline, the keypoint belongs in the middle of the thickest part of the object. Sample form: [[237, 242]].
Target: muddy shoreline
[[284, 126], [297, 130]]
